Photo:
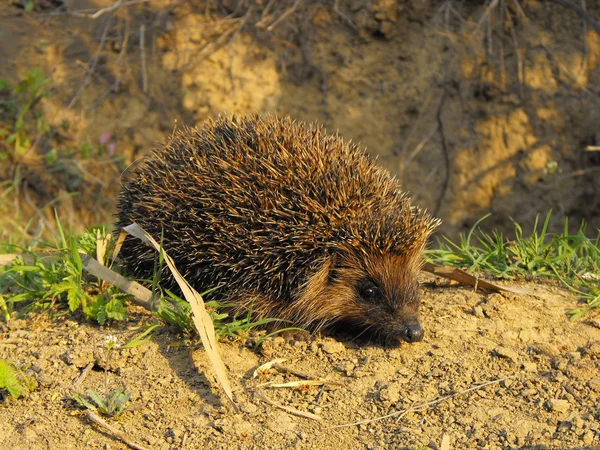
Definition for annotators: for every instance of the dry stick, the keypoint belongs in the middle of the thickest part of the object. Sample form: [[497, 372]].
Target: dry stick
[[264, 16], [83, 12], [347, 19], [423, 405], [118, 4], [291, 371], [284, 16], [585, 52], [293, 411], [84, 374], [93, 66], [580, 12], [221, 41], [520, 73], [119, 434], [445, 154], [143, 50]]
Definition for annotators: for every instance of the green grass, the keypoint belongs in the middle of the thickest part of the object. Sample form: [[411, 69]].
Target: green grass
[[573, 259], [60, 285]]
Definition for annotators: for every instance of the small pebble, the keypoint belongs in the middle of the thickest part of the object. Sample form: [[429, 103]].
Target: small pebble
[[330, 347], [528, 392], [558, 405], [506, 352], [588, 437]]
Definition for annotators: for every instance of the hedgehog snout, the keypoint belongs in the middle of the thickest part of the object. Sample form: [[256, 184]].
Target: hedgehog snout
[[412, 332]]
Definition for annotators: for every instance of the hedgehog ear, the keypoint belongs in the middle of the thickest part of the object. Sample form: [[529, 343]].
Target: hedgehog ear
[[331, 264]]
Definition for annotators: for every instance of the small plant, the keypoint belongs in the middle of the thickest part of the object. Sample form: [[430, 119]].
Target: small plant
[[59, 279], [113, 404], [573, 259], [110, 344], [14, 381], [18, 102], [177, 312]]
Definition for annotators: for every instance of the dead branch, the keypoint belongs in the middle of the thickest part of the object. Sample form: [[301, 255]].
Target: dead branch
[[118, 434], [92, 67], [118, 4], [143, 50], [422, 405], [346, 19], [284, 16], [585, 16], [445, 154]]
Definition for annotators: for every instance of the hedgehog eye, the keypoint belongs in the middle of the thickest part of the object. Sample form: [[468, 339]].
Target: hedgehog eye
[[368, 290]]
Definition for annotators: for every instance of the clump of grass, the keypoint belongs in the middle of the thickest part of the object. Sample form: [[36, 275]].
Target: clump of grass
[[573, 259], [58, 281], [177, 312], [18, 102], [14, 381]]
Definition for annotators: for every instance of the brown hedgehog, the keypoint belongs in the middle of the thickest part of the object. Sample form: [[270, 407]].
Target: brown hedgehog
[[291, 222]]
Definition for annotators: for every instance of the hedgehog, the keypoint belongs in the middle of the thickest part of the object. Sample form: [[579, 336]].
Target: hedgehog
[[289, 221]]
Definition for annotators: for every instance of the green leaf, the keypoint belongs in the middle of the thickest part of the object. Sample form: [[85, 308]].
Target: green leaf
[[116, 310], [74, 297], [143, 337], [9, 381]]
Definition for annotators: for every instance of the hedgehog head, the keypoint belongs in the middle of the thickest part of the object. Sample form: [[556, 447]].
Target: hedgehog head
[[371, 289]]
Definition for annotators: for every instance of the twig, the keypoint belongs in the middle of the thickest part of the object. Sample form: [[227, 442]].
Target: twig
[[92, 67], [118, 434], [293, 411], [580, 12], [422, 405], [284, 16], [518, 54], [98, 13], [84, 374], [585, 52], [444, 153], [222, 40], [85, 12], [143, 50], [419, 147], [578, 173], [485, 16], [592, 148], [264, 16], [336, 9], [297, 373]]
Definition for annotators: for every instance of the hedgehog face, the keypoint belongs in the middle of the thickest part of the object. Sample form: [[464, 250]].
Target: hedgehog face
[[378, 295], [391, 310], [387, 295]]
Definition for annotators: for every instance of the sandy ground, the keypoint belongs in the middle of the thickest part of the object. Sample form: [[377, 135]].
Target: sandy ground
[[548, 398]]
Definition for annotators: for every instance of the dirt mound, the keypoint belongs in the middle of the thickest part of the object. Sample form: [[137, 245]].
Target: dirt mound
[[476, 109]]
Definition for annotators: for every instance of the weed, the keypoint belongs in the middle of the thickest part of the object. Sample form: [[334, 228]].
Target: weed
[[143, 337], [18, 102], [177, 312], [59, 280], [113, 404], [13, 380], [573, 259]]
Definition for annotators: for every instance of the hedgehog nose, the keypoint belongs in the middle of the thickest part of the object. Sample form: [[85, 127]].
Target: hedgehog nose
[[413, 333]]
